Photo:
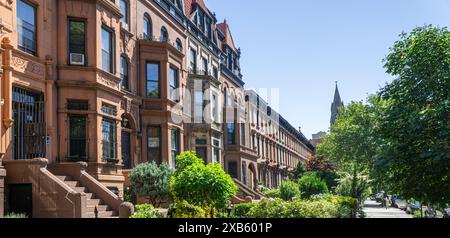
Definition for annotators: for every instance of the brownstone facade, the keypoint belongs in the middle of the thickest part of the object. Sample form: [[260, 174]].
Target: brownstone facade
[[111, 84]]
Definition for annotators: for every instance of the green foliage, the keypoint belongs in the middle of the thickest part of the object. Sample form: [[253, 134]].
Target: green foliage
[[414, 121], [16, 215], [184, 209], [317, 208], [242, 210], [311, 184], [325, 169], [298, 172], [201, 185], [187, 159], [289, 190], [272, 193], [151, 180], [146, 211], [348, 185]]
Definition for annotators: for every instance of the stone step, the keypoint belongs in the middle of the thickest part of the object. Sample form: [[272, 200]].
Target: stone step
[[93, 201], [90, 196], [100, 208], [62, 177], [104, 214], [80, 189], [72, 184]]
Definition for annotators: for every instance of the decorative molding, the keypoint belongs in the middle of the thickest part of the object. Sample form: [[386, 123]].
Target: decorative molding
[[7, 4], [26, 66]]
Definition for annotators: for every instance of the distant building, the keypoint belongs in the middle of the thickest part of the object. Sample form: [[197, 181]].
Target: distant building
[[317, 138], [336, 105]]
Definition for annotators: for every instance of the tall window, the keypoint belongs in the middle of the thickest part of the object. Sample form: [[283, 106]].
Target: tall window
[[124, 9], [164, 35], [153, 80], [109, 140], [77, 40], [205, 66], [174, 83], [107, 50], [214, 105], [154, 144], [124, 73], [26, 26], [215, 72], [198, 105], [179, 45], [193, 60], [231, 140], [147, 28], [243, 134], [77, 137], [216, 152], [175, 144]]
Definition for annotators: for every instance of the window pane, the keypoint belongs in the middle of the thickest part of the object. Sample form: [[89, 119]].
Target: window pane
[[124, 10], [106, 50], [77, 38], [153, 80], [77, 138], [109, 139], [154, 144], [174, 84], [124, 73], [26, 27], [230, 133]]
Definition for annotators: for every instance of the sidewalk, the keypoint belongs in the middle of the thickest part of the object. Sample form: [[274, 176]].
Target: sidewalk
[[373, 209]]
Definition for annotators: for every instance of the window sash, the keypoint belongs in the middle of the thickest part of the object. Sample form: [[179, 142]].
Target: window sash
[[109, 139], [154, 144], [77, 40], [77, 137], [153, 76], [107, 50], [26, 27]]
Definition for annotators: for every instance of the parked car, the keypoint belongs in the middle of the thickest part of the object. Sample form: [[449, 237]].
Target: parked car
[[379, 196], [447, 212], [412, 207], [399, 203]]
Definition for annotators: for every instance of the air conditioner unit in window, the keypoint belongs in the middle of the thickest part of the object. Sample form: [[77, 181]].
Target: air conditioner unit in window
[[76, 59]]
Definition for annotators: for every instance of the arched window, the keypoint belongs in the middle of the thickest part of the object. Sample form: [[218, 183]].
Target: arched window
[[179, 45], [147, 29], [164, 35], [125, 84]]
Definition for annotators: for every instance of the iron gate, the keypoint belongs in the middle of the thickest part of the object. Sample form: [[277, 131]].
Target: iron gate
[[29, 136]]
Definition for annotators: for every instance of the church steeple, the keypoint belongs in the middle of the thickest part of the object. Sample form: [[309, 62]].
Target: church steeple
[[337, 103]]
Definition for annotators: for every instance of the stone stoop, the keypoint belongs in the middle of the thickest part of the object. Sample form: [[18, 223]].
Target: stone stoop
[[92, 202]]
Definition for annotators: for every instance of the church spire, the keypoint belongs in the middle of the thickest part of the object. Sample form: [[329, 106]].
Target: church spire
[[337, 103]]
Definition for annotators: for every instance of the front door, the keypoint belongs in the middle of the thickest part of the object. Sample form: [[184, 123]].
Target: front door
[[29, 131], [126, 149]]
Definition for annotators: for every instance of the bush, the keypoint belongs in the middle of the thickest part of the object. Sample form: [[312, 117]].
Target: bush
[[242, 210], [151, 180], [288, 190], [183, 209], [276, 208], [16, 215], [201, 185], [146, 211], [272, 193], [318, 207], [347, 206], [311, 184]]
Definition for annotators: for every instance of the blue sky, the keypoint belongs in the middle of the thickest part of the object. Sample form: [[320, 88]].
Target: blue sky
[[303, 46]]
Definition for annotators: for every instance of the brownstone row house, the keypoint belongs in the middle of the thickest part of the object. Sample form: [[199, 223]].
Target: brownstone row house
[[89, 89]]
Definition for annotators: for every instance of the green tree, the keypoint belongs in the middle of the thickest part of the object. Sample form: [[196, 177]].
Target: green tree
[[152, 181], [298, 172], [325, 169], [311, 184], [352, 144], [289, 190], [201, 185], [414, 125]]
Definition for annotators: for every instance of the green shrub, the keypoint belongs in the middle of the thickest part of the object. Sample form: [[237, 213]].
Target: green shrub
[[272, 193], [201, 185], [146, 211], [242, 210], [151, 180], [288, 190], [183, 209], [325, 207], [276, 208], [311, 184], [16, 215], [347, 206]]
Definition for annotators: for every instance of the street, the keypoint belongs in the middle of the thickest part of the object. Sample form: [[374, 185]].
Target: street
[[372, 209]]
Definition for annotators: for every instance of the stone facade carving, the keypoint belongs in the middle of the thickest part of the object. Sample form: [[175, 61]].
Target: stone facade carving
[[27, 67]]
